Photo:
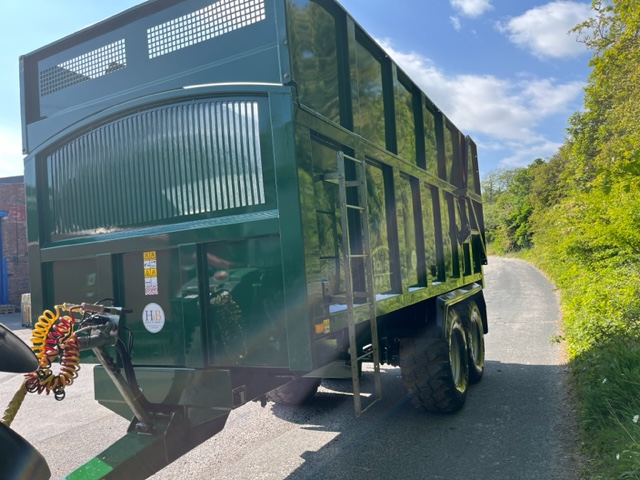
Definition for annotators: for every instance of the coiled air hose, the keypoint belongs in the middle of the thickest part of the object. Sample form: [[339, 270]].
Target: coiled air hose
[[53, 337]]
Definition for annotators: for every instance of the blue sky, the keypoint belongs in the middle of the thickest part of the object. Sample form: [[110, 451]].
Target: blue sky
[[505, 71]]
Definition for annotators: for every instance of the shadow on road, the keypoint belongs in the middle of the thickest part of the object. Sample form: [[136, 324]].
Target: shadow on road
[[508, 429]]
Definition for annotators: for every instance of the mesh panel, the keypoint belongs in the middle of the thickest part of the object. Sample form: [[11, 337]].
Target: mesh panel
[[179, 161], [94, 64], [217, 19]]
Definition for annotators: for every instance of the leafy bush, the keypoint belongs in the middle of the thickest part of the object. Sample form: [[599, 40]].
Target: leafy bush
[[607, 379], [581, 212]]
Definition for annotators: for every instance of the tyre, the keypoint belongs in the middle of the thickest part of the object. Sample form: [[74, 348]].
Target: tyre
[[297, 392], [435, 371], [475, 340]]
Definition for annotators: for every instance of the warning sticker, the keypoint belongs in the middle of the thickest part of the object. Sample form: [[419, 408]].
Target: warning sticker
[[150, 273], [151, 290]]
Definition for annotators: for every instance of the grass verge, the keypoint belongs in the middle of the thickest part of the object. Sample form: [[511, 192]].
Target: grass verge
[[600, 320]]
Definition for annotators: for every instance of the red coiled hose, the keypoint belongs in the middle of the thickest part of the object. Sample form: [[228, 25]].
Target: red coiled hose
[[53, 337]]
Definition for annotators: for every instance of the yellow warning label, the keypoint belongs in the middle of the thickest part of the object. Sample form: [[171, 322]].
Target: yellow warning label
[[150, 272]]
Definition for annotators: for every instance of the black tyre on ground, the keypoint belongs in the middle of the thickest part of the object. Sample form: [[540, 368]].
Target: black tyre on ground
[[297, 392], [475, 339], [435, 371]]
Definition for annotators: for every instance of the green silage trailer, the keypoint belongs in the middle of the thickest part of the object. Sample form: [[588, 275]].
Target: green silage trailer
[[272, 200]]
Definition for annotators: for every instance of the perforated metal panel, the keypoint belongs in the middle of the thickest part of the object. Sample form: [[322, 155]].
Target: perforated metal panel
[[178, 161], [209, 22], [93, 64]]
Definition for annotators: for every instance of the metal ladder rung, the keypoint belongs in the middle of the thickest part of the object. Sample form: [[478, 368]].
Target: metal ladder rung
[[342, 299], [360, 210], [365, 355], [361, 294], [355, 207], [332, 176], [370, 405]]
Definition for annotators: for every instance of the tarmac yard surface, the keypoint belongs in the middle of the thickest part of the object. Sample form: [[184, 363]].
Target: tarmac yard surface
[[517, 423]]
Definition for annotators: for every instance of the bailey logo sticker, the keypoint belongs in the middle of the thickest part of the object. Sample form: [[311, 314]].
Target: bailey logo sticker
[[153, 317]]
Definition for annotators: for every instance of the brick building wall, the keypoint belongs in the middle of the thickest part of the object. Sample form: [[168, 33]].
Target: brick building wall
[[14, 237]]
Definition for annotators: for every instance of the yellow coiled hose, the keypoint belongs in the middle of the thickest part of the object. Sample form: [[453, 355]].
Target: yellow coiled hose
[[53, 337], [41, 330]]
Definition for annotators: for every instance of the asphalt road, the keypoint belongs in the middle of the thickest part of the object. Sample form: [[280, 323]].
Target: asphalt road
[[517, 423]]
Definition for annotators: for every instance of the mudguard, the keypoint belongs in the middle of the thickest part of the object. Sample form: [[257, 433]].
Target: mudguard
[[450, 299]]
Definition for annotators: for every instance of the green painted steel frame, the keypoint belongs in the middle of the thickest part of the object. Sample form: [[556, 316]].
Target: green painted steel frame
[[290, 124], [173, 386], [364, 149], [139, 455], [451, 185], [285, 221], [188, 235], [239, 59]]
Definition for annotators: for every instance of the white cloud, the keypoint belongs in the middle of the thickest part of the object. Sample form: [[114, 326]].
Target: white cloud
[[506, 114], [512, 154], [455, 21], [522, 155], [471, 8], [544, 30], [547, 97], [11, 158]]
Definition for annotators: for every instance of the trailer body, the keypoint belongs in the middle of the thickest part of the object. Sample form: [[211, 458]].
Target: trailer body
[[196, 161]]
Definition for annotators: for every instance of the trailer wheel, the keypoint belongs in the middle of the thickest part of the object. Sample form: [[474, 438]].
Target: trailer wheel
[[297, 392], [475, 338], [435, 371]]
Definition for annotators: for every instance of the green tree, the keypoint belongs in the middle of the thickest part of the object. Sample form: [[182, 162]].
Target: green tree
[[606, 134], [586, 234], [510, 198]]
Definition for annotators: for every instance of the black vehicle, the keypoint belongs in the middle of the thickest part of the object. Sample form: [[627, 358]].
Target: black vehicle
[[18, 458]]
